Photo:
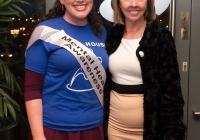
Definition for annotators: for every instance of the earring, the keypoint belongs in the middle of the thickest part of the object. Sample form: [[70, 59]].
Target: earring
[[63, 7]]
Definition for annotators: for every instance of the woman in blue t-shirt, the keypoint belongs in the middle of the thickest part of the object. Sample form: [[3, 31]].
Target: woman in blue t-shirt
[[65, 74]]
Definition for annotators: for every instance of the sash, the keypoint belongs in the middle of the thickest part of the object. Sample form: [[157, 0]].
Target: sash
[[86, 58]]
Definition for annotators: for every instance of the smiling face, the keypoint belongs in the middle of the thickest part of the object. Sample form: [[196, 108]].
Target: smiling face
[[76, 11], [133, 10]]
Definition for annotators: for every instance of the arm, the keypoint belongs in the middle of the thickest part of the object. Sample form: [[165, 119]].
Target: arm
[[35, 69], [33, 88], [171, 109], [34, 112], [107, 89]]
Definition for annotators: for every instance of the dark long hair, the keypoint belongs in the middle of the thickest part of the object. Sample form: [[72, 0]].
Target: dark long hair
[[93, 18]]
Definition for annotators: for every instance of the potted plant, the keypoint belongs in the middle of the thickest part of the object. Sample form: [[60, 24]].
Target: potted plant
[[10, 112]]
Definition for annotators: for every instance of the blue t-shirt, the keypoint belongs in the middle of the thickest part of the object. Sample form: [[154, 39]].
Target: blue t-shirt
[[69, 101]]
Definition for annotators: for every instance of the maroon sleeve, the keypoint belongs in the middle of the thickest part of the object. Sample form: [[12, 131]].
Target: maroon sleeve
[[33, 85]]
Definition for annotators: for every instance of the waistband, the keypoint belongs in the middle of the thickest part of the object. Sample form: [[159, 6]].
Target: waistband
[[127, 89]]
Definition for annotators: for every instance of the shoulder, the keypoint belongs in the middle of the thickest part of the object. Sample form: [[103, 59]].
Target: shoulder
[[162, 39], [103, 29], [116, 33], [47, 26], [114, 38], [51, 22], [154, 33], [104, 33], [156, 28], [55, 23], [43, 30], [117, 29], [160, 29]]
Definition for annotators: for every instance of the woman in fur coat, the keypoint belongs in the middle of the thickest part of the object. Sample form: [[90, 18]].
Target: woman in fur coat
[[143, 99]]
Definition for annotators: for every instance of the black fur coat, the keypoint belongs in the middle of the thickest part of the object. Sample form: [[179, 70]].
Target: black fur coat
[[163, 101]]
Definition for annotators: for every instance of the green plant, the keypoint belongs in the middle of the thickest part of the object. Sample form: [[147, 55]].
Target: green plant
[[9, 109]]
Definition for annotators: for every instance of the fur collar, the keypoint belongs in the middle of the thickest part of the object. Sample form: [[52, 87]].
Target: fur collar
[[149, 38]]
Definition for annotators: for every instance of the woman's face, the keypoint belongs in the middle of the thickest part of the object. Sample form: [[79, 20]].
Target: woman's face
[[133, 10], [76, 11]]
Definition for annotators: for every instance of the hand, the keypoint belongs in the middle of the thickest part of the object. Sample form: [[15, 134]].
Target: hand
[[39, 138]]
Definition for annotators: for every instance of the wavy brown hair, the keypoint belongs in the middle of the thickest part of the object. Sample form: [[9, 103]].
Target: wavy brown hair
[[149, 14], [93, 18]]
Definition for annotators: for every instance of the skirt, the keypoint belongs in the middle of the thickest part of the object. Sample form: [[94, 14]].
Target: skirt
[[92, 134], [126, 116]]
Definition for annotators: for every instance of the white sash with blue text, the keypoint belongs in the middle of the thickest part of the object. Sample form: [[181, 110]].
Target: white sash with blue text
[[86, 58]]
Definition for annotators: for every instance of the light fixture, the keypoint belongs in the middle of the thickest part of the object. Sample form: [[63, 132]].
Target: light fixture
[[14, 32], [10, 55], [22, 28]]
